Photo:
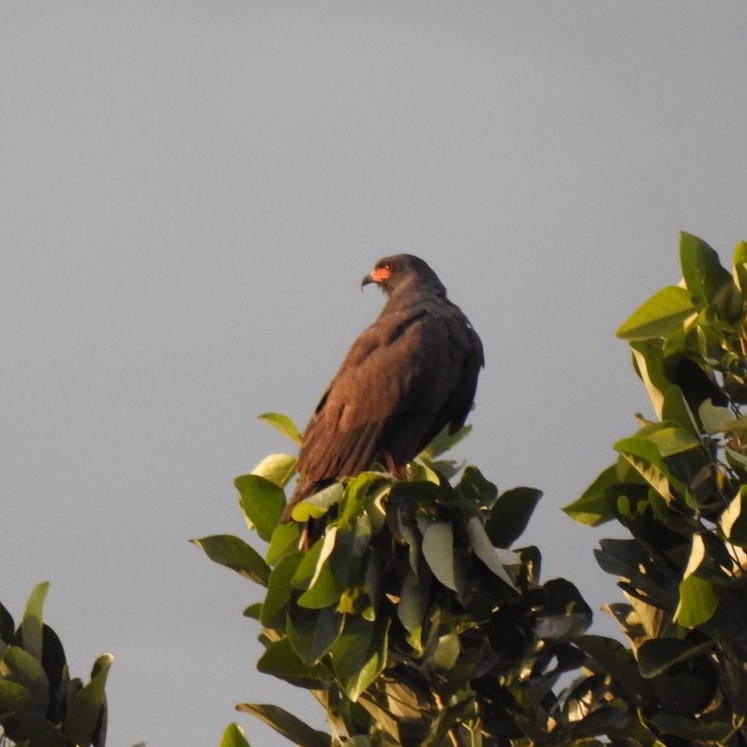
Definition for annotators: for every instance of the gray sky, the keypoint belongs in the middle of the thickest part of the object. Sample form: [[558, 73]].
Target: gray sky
[[190, 194]]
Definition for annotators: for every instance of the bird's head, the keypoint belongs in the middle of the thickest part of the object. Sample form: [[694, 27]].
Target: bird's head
[[403, 270]]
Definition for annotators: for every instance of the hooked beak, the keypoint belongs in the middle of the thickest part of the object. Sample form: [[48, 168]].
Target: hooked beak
[[378, 276]]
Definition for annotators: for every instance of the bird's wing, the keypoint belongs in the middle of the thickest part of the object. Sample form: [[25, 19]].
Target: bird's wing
[[466, 359], [382, 375], [405, 378]]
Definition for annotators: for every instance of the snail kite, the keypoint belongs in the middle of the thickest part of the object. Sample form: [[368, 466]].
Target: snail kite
[[410, 374]]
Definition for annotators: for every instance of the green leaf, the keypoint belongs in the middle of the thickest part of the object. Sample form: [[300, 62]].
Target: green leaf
[[253, 610], [510, 515], [284, 542], [564, 613], [277, 468], [649, 363], [283, 424], [411, 609], [351, 545], [313, 632], [644, 456], [13, 697], [308, 566], [279, 592], [85, 711], [734, 519], [281, 660], [621, 557], [26, 670], [657, 655], [594, 507], [475, 487], [676, 410], [701, 269], [286, 724], [663, 313], [360, 653], [262, 502], [494, 559], [315, 574], [740, 266], [445, 441], [31, 627], [698, 731], [364, 489], [445, 654], [235, 554], [7, 626], [234, 736], [318, 504], [438, 550], [698, 602], [618, 661], [671, 440]]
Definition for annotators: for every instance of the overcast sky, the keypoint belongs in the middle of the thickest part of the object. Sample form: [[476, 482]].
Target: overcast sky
[[190, 193]]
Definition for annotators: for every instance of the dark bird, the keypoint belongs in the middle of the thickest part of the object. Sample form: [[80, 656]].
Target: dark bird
[[410, 374]]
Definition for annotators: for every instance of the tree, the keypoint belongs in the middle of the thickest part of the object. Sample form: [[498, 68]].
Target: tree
[[679, 487], [40, 705], [412, 624]]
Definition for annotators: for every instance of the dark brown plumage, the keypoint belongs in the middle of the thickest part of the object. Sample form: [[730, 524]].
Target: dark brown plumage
[[410, 374]]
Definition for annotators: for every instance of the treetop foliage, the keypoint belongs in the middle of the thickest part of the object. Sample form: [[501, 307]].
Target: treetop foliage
[[412, 623], [40, 705]]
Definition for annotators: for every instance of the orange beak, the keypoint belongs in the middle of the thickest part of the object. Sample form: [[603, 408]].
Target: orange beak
[[379, 275]]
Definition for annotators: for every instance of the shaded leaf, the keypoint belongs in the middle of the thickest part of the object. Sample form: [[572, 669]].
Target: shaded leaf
[[445, 441], [26, 670], [618, 661], [286, 724], [281, 660], [475, 487], [13, 696], [359, 654], [493, 558], [510, 515], [411, 608], [85, 711], [700, 730], [279, 591], [7, 625], [438, 550], [658, 655], [312, 632]]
